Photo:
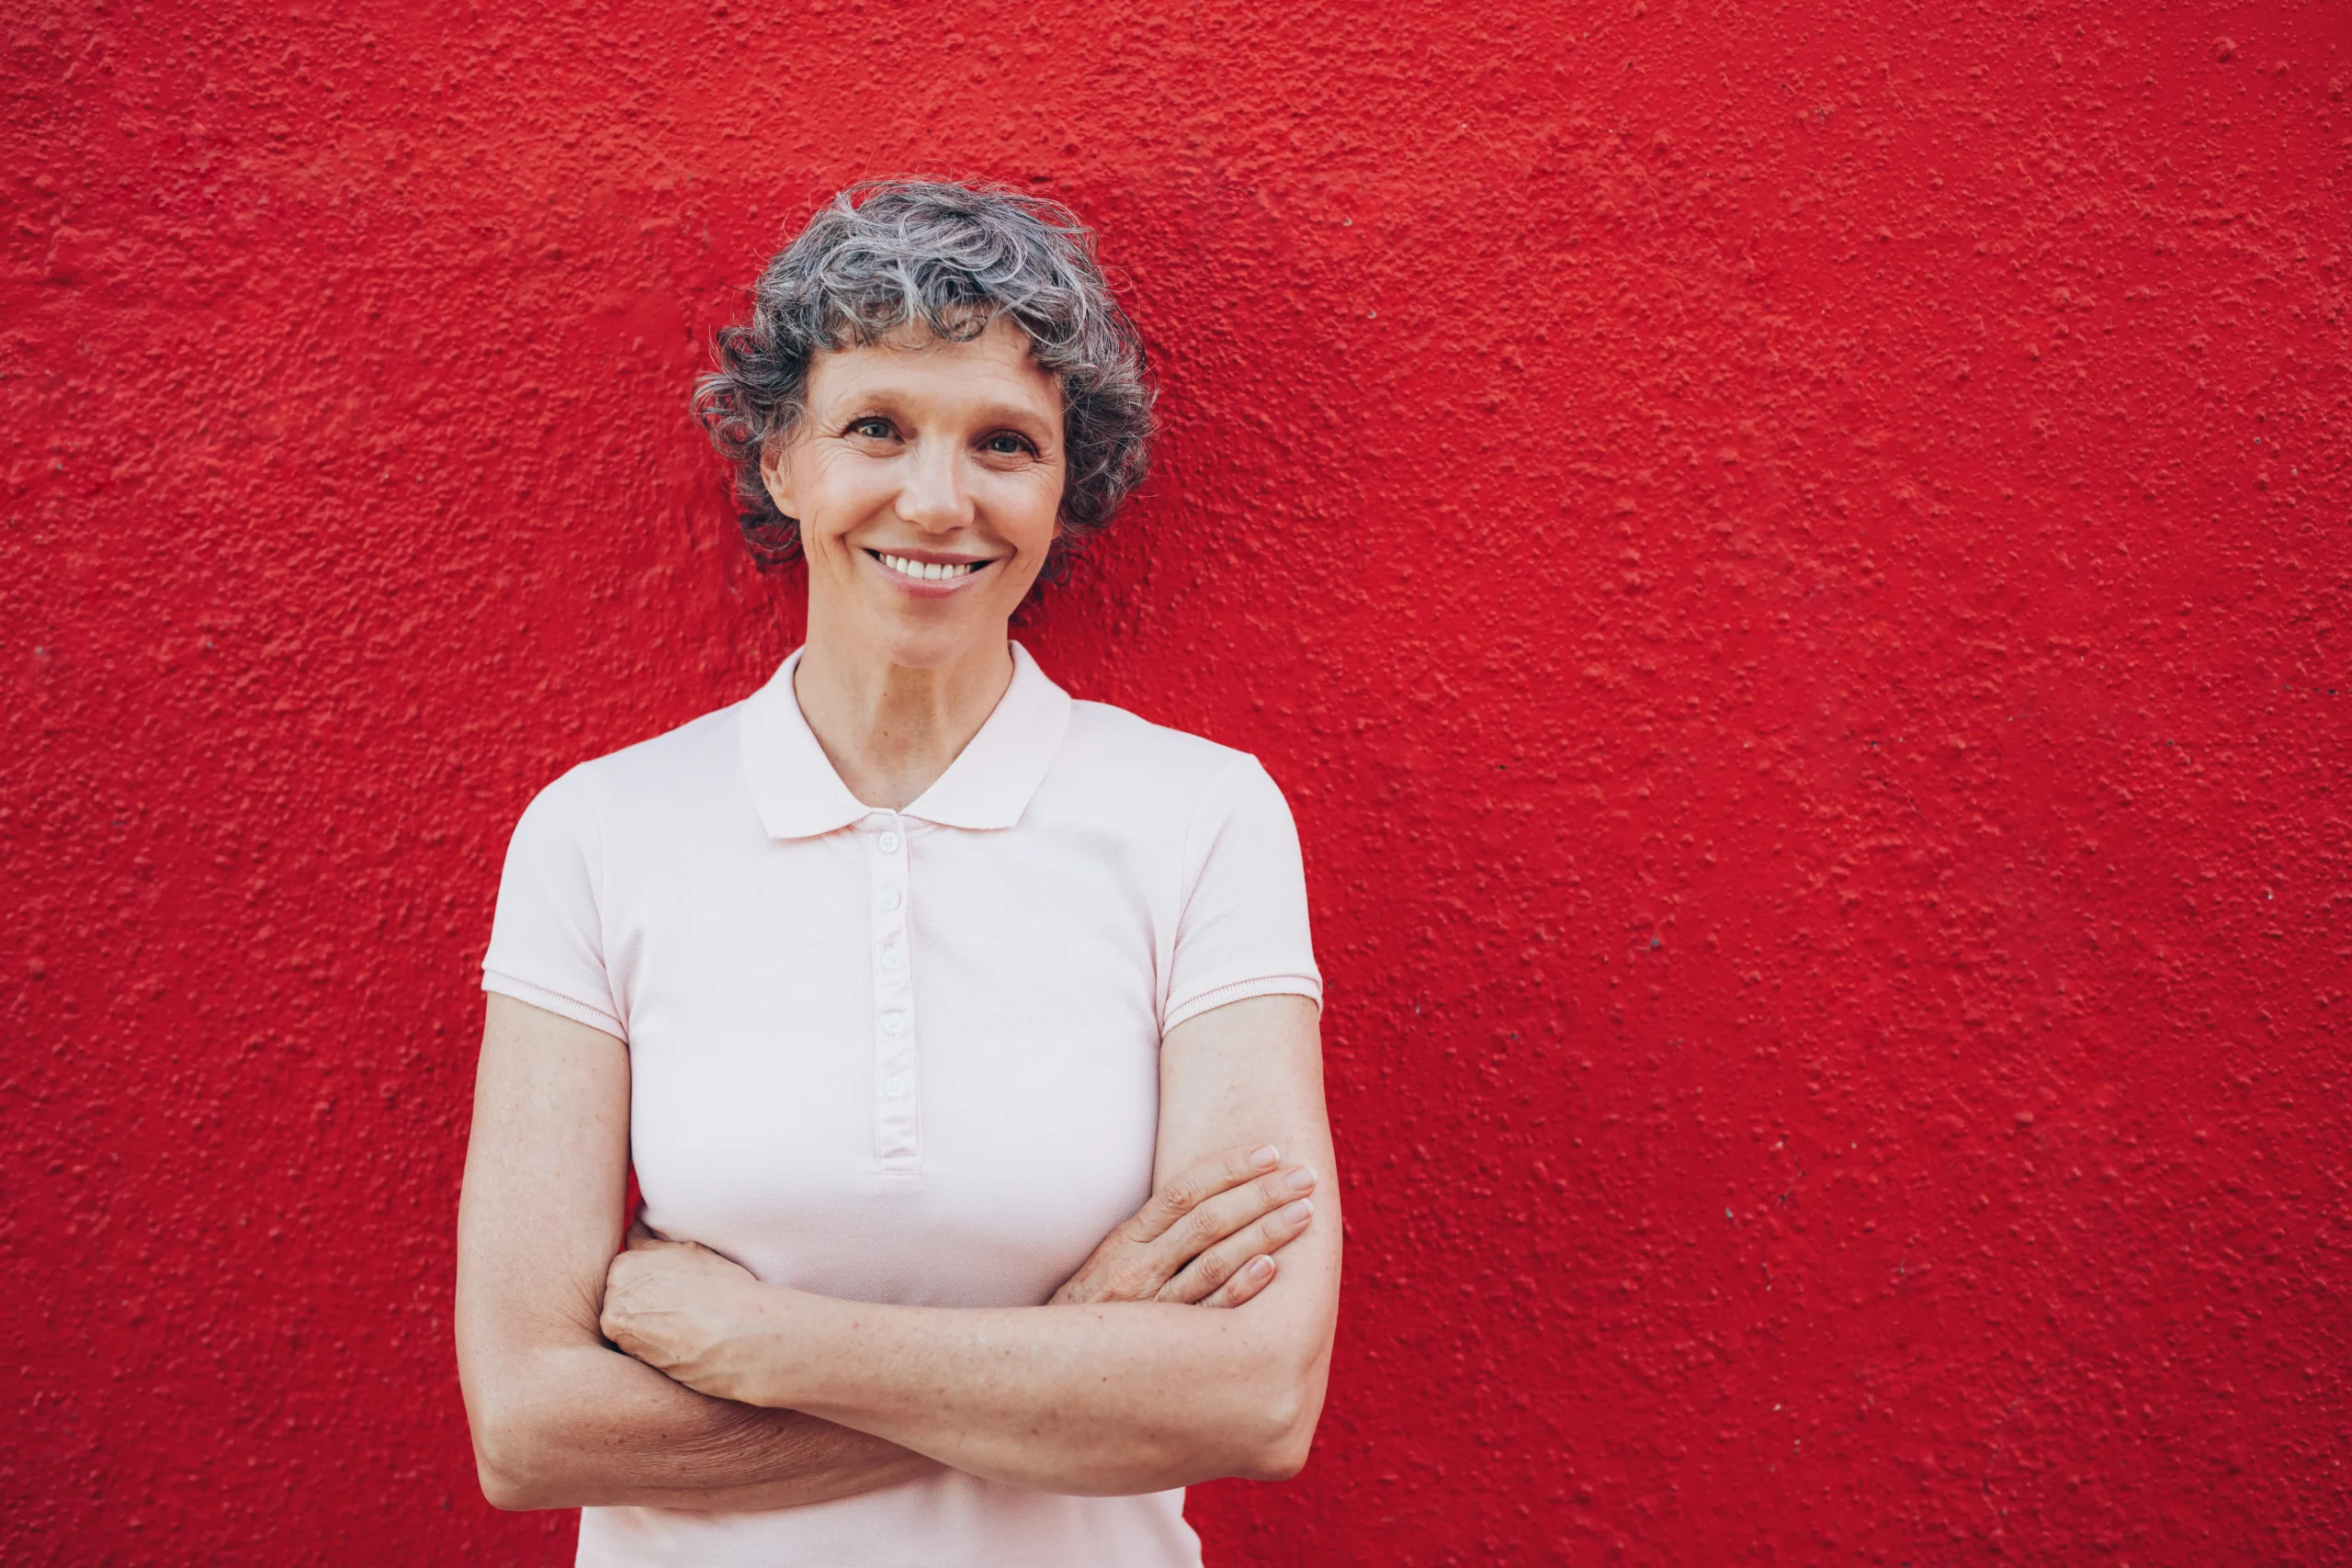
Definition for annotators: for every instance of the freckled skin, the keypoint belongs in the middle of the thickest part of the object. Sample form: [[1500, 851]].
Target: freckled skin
[[1782, 484], [950, 450]]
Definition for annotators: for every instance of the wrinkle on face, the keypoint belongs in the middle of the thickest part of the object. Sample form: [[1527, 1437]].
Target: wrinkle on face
[[918, 446]]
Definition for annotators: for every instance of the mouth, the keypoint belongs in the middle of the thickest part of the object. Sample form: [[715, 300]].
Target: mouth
[[938, 573]]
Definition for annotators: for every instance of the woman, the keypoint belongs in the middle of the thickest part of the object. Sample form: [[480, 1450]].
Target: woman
[[904, 984]]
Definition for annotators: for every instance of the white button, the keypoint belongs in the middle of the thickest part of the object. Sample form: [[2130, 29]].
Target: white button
[[890, 899], [894, 1023], [893, 959], [896, 1088], [888, 843]]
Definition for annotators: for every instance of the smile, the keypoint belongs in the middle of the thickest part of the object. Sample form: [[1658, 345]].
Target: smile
[[928, 570]]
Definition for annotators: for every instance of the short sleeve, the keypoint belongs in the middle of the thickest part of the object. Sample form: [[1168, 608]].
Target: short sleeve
[[1243, 928], [546, 943]]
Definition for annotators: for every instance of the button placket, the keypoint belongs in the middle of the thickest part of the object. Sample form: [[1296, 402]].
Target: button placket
[[896, 1122]]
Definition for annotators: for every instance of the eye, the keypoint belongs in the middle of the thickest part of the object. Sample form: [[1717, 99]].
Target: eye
[[873, 428], [1009, 443]]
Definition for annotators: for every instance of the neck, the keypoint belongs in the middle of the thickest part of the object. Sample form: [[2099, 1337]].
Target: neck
[[890, 730]]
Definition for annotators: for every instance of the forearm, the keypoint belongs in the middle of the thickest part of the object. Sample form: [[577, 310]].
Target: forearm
[[583, 1426], [1105, 1398], [1102, 1399], [560, 1420]]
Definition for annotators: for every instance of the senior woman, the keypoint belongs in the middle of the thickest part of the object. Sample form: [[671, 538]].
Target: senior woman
[[962, 1036]]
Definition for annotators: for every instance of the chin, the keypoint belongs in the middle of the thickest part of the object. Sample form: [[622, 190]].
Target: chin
[[942, 641]]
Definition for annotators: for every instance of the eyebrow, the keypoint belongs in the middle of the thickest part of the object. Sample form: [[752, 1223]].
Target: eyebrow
[[993, 413]]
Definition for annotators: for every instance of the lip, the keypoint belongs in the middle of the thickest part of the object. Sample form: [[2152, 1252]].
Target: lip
[[922, 587]]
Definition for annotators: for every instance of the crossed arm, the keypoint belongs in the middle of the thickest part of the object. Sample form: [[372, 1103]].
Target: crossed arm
[[767, 1398]]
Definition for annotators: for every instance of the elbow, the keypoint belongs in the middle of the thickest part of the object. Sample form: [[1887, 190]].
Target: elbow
[[1281, 1450], [1281, 1459], [1281, 1424], [515, 1487], [1260, 1426], [511, 1463], [507, 1484], [506, 1491]]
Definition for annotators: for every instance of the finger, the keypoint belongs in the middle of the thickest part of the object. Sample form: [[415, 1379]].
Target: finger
[[1187, 1189], [1204, 1275], [1226, 1214], [1247, 1282]]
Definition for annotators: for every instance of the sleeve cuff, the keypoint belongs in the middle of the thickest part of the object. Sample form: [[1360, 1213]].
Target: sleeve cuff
[[554, 1002], [1305, 985]]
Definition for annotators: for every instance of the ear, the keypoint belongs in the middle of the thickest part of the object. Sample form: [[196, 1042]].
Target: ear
[[775, 475]]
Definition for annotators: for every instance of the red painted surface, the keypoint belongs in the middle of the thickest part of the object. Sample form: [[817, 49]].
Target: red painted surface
[[1793, 560]]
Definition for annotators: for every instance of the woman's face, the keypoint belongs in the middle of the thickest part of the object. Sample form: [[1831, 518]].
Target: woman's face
[[927, 477]]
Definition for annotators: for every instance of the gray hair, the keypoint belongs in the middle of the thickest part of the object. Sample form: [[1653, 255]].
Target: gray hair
[[955, 258]]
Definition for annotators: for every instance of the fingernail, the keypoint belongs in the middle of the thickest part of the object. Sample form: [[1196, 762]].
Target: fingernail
[[1302, 1179], [1265, 1158], [1260, 1267], [1296, 1213]]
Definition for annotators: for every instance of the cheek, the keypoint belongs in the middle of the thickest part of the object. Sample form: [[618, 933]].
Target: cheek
[[837, 490], [1036, 511]]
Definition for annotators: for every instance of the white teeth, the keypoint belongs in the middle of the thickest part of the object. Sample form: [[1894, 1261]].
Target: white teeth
[[929, 571]]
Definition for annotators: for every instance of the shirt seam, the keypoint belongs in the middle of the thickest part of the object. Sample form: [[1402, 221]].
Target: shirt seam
[[548, 999], [1287, 984], [604, 902], [1186, 877]]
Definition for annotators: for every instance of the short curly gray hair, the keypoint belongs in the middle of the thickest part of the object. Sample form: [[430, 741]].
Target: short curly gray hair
[[955, 257]]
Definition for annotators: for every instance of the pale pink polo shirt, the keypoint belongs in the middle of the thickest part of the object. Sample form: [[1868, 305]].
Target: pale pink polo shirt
[[903, 1056]]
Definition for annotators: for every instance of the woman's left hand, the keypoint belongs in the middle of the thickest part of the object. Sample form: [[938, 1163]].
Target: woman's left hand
[[676, 1306]]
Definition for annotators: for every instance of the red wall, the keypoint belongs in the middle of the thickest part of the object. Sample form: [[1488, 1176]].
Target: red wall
[[1792, 559]]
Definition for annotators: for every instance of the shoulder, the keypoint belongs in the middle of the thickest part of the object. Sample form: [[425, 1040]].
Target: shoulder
[[653, 775], [1169, 774], [1107, 738]]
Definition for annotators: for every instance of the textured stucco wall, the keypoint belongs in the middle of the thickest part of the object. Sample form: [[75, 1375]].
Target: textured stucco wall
[[1792, 559]]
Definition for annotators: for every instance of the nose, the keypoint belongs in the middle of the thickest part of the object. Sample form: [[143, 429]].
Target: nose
[[933, 497]]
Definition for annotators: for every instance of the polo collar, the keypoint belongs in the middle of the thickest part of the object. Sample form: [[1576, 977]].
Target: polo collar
[[990, 784]]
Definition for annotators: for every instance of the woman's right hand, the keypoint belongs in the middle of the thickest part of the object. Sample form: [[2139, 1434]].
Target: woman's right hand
[[1207, 1238]]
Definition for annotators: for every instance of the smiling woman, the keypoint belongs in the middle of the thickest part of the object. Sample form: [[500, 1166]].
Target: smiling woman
[[962, 1036], [926, 483]]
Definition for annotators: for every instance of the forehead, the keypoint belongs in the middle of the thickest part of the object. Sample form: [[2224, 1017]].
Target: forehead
[[913, 365]]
